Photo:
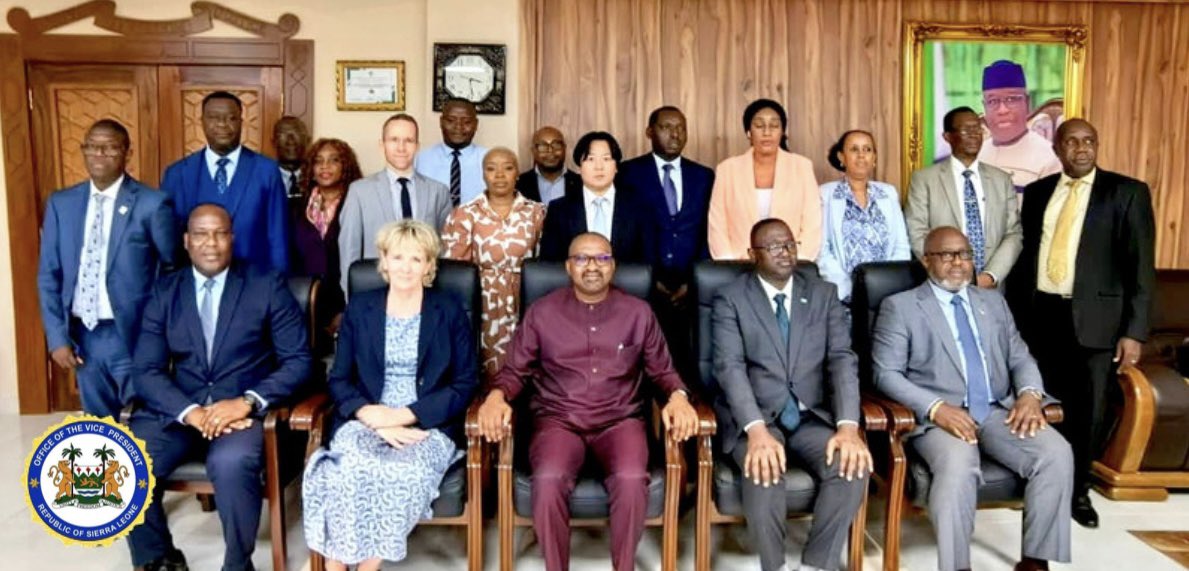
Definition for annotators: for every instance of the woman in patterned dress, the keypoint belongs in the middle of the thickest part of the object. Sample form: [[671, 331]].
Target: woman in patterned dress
[[861, 218], [403, 374], [497, 231]]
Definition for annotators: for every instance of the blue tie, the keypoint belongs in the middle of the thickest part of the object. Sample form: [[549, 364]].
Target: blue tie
[[600, 217], [221, 174], [790, 415], [670, 190], [974, 223], [86, 305], [978, 394]]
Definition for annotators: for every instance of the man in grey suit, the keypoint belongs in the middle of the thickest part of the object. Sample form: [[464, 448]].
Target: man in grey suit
[[394, 193], [953, 355], [967, 194], [779, 339]]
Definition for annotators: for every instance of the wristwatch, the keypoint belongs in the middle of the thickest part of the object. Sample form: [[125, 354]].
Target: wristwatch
[[253, 404]]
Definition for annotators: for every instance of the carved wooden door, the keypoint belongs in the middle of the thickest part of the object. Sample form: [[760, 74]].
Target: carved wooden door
[[183, 87]]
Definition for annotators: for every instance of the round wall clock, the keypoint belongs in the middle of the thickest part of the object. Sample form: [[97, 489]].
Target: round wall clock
[[475, 72]]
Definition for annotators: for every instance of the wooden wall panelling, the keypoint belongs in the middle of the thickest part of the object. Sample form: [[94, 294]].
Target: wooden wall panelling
[[299, 80]]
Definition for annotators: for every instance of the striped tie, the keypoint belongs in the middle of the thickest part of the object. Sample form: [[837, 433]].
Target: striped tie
[[455, 178]]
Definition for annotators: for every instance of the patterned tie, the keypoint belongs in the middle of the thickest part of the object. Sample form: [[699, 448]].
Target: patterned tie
[[221, 174], [206, 313], [790, 415], [978, 394], [455, 178], [974, 223], [1059, 248], [87, 304], [600, 217], [670, 190], [406, 202]]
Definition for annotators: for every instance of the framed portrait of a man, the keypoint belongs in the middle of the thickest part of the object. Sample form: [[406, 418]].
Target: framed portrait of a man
[[1022, 82]]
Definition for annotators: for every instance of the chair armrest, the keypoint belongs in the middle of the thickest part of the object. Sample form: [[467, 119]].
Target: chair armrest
[[707, 421], [874, 417], [507, 446], [305, 413], [1128, 444], [472, 419], [899, 417], [1054, 413]]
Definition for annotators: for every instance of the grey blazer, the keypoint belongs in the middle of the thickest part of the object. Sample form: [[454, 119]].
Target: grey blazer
[[916, 358], [933, 201], [754, 369], [369, 206]]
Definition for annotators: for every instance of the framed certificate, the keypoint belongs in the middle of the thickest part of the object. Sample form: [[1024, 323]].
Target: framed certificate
[[370, 85]]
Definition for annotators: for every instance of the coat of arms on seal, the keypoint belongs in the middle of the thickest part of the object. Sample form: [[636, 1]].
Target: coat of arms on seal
[[88, 480]]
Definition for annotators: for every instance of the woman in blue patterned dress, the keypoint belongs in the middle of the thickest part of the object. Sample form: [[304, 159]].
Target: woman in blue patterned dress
[[403, 374], [861, 218]]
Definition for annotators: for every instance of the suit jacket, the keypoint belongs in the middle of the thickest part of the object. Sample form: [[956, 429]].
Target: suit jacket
[[142, 241], [526, 184], [566, 218], [318, 257], [933, 201], [369, 206], [916, 359], [734, 208], [260, 343], [256, 200], [678, 242], [1115, 267], [754, 368], [832, 258], [446, 360]]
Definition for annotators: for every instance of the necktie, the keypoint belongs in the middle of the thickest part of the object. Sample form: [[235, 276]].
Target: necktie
[[600, 217], [406, 202], [221, 174], [978, 394], [670, 190], [87, 304], [974, 222], [1059, 248], [455, 178], [790, 415], [206, 313], [293, 190]]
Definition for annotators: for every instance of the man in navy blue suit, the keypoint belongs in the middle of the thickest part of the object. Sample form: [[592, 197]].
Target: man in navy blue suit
[[102, 242], [237, 178], [675, 194], [220, 344]]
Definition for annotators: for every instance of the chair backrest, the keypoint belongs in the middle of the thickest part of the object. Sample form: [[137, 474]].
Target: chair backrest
[[538, 278], [709, 277], [1170, 304], [302, 288], [873, 282], [459, 277]]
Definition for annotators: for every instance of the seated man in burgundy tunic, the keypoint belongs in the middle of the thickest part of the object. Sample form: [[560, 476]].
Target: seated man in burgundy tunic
[[587, 349]]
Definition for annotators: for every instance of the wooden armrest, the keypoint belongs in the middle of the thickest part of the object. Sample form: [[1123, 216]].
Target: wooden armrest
[[707, 421], [305, 413], [507, 445], [1054, 413], [899, 417], [472, 419], [874, 417]]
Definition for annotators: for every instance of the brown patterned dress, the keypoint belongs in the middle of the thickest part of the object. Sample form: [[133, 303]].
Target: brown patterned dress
[[499, 246]]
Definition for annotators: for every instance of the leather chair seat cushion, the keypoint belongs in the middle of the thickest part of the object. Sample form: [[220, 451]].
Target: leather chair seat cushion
[[452, 498], [590, 499], [999, 483], [799, 487]]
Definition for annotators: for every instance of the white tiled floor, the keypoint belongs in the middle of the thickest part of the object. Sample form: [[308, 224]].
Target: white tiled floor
[[996, 541]]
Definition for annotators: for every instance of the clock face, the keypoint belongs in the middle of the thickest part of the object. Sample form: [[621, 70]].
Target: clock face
[[470, 77]]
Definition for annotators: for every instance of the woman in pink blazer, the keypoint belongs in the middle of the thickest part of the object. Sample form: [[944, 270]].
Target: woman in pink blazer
[[767, 181]]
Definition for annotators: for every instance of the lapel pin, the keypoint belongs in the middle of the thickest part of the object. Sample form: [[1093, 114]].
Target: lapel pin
[[123, 209]]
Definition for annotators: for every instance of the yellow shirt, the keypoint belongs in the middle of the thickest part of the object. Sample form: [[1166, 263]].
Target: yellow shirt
[[1052, 211]]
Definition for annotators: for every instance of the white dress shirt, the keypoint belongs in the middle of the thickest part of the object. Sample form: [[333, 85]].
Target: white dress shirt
[[588, 198], [109, 208], [675, 174], [212, 158]]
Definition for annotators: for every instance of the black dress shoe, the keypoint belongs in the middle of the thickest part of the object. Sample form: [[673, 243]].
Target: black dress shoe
[[1083, 512]]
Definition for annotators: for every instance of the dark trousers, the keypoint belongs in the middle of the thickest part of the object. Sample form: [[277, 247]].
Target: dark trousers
[[557, 453], [234, 463], [1081, 377], [766, 509], [104, 379]]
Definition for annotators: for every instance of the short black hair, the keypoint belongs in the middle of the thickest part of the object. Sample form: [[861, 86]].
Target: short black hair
[[832, 156], [582, 147], [400, 117], [947, 122], [222, 95], [759, 105], [115, 126], [656, 113], [755, 228]]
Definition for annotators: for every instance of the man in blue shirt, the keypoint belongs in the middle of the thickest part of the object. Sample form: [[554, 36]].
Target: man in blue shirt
[[457, 161]]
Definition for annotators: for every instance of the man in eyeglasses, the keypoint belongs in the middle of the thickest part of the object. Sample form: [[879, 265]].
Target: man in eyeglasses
[[782, 345], [952, 354], [549, 179], [1013, 147], [587, 349], [103, 242], [970, 195]]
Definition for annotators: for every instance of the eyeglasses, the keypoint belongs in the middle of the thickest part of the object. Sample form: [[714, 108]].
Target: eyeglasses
[[1008, 100], [581, 260], [205, 237], [101, 150], [554, 145], [774, 249], [949, 256]]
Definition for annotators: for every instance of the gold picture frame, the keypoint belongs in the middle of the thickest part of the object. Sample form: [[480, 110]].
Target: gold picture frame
[[370, 85], [927, 43]]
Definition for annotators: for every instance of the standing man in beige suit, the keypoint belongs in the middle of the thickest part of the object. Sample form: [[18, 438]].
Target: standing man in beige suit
[[964, 193]]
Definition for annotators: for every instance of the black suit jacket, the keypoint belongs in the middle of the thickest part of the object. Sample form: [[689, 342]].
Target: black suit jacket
[[679, 241], [566, 218], [1115, 275], [526, 184]]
